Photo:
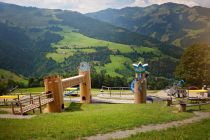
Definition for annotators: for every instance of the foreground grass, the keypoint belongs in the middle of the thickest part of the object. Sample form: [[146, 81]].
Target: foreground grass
[[197, 131], [87, 119]]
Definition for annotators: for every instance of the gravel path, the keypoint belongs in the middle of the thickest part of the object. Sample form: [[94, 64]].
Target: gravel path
[[127, 133], [11, 116], [123, 99]]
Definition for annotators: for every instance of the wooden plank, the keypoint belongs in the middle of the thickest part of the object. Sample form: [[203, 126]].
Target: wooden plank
[[37, 104], [34, 103], [72, 81]]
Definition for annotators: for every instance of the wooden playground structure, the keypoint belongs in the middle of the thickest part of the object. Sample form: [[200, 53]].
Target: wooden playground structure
[[53, 95], [140, 83], [31, 103]]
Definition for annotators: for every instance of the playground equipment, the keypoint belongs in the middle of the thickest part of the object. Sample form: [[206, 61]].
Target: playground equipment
[[31, 103], [56, 86], [9, 98], [198, 93], [71, 91], [177, 90], [140, 83], [114, 90]]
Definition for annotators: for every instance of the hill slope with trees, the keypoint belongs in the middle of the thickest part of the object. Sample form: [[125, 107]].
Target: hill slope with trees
[[176, 24], [37, 42]]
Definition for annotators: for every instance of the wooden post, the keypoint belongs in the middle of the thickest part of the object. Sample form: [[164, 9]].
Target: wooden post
[[182, 107], [85, 87], [137, 90], [168, 102], [140, 88], [40, 105], [5, 102], [143, 94], [31, 101], [13, 111], [21, 108], [53, 84]]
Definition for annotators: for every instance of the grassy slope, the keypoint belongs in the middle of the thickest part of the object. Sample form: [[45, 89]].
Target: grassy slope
[[117, 62], [87, 119], [195, 131], [6, 75], [74, 42]]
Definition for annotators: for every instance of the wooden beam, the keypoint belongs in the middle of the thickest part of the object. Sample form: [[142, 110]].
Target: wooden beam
[[72, 81]]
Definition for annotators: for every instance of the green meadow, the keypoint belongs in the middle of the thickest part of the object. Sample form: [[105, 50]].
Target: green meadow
[[117, 63], [74, 41], [6, 75], [81, 120]]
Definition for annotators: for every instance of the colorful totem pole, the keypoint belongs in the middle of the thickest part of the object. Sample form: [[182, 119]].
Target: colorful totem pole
[[140, 83]]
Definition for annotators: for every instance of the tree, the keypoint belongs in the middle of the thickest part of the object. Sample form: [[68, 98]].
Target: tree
[[194, 65]]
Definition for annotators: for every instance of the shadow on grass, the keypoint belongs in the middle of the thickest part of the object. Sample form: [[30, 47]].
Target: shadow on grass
[[73, 107]]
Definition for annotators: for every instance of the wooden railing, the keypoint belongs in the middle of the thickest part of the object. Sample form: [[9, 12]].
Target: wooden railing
[[31, 103], [114, 90]]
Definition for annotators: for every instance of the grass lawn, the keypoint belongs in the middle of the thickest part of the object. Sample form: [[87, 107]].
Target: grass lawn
[[197, 131], [87, 119], [29, 90]]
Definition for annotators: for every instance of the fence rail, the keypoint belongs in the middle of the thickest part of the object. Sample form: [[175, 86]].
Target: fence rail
[[114, 90], [31, 103]]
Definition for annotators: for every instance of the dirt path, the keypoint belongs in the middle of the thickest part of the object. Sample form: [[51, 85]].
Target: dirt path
[[11, 116], [126, 133]]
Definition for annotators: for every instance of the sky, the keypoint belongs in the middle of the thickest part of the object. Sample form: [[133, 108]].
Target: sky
[[86, 6]]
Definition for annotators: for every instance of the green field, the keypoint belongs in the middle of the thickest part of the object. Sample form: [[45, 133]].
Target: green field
[[87, 119], [74, 41], [6, 75], [117, 63], [77, 44], [195, 131], [28, 90]]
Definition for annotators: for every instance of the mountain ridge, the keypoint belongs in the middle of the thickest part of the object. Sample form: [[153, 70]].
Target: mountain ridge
[[40, 42], [162, 22]]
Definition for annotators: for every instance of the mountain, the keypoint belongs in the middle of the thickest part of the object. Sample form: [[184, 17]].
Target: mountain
[[39, 42], [172, 23]]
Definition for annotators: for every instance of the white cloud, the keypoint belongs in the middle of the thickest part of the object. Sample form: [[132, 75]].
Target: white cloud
[[85, 6], [143, 3]]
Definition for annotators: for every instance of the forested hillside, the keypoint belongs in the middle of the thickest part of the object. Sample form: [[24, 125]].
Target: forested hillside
[[176, 24], [37, 42]]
